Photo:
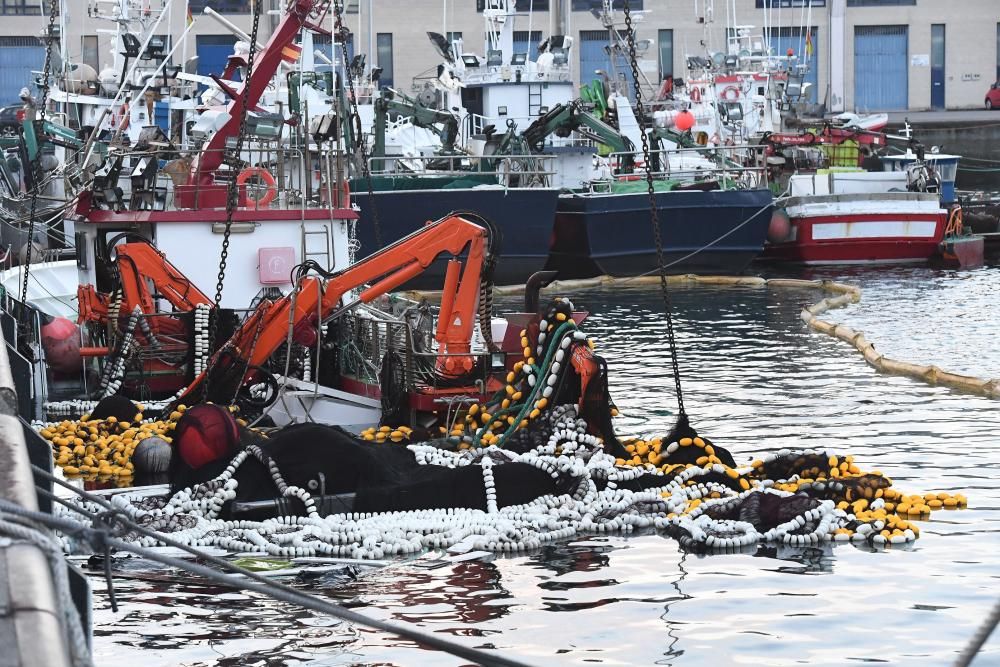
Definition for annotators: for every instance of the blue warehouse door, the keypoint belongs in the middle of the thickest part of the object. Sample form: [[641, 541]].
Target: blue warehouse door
[[523, 43], [19, 56], [213, 53], [783, 39], [323, 43], [594, 56], [881, 73]]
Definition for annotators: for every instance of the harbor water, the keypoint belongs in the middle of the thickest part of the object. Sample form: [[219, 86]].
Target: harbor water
[[756, 379]]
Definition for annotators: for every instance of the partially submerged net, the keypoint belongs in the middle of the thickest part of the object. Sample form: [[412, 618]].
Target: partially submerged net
[[538, 462]]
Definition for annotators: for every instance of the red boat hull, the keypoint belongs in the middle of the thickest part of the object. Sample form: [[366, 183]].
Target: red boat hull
[[861, 238]]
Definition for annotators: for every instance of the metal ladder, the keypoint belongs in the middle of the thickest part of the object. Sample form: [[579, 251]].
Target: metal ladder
[[323, 256]]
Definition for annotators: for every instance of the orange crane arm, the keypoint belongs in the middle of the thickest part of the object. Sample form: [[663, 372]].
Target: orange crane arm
[[138, 265], [141, 262], [317, 300]]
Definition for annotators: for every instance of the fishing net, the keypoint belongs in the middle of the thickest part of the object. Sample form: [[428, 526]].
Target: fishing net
[[538, 462]]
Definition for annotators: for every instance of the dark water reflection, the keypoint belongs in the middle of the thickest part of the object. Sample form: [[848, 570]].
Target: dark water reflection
[[756, 379]]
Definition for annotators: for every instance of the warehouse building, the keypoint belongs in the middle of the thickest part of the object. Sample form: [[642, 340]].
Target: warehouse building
[[864, 55]]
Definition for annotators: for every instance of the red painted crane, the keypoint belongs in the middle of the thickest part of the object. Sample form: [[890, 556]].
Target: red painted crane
[[299, 14]]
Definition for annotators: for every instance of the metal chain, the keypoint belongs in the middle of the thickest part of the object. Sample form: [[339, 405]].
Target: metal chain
[[53, 5], [343, 32], [234, 159], [653, 215], [232, 199]]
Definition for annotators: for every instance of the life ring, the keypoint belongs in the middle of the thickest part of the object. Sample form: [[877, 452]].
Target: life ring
[[730, 94], [264, 175], [695, 94]]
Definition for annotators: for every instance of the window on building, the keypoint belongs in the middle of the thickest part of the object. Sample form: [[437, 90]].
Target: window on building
[[332, 50], [666, 46], [383, 48], [590, 5], [91, 52], [520, 5], [761, 4], [879, 3], [452, 36], [24, 7]]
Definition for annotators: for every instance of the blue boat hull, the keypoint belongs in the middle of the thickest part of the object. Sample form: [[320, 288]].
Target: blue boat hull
[[703, 232], [523, 216]]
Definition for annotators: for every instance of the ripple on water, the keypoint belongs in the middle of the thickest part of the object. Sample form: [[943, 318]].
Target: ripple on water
[[755, 379]]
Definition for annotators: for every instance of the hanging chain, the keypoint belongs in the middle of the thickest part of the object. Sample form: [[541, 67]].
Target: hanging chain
[[232, 200], [342, 31], [235, 157], [36, 162], [653, 215]]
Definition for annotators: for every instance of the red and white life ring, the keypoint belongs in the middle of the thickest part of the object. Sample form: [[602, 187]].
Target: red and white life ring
[[695, 94], [264, 175], [730, 94]]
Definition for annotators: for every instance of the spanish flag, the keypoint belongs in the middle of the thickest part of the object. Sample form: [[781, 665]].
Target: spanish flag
[[809, 43], [291, 53], [190, 18]]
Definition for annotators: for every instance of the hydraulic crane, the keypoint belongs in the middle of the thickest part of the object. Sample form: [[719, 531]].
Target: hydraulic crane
[[140, 266], [442, 123], [564, 119], [299, 14], [318, 299]]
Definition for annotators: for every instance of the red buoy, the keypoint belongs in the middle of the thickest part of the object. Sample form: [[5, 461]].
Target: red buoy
[[61, 343], [684, 121], [780, 227]]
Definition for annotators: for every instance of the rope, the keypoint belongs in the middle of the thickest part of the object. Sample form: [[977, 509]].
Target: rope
[[253, 581], [982, 634], [653, 215], [704, 247], [342, 30], [36, 162], [75, 636]]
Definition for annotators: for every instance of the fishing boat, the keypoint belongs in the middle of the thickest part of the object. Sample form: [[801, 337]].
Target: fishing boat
[[525, 132], [845, 199]]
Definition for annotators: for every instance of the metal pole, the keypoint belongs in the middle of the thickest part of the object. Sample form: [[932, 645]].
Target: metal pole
[[230, 26]]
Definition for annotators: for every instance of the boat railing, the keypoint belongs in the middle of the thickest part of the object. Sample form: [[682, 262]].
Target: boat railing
[[513, 171], [270, 175], [734, 167], [367, 338]]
